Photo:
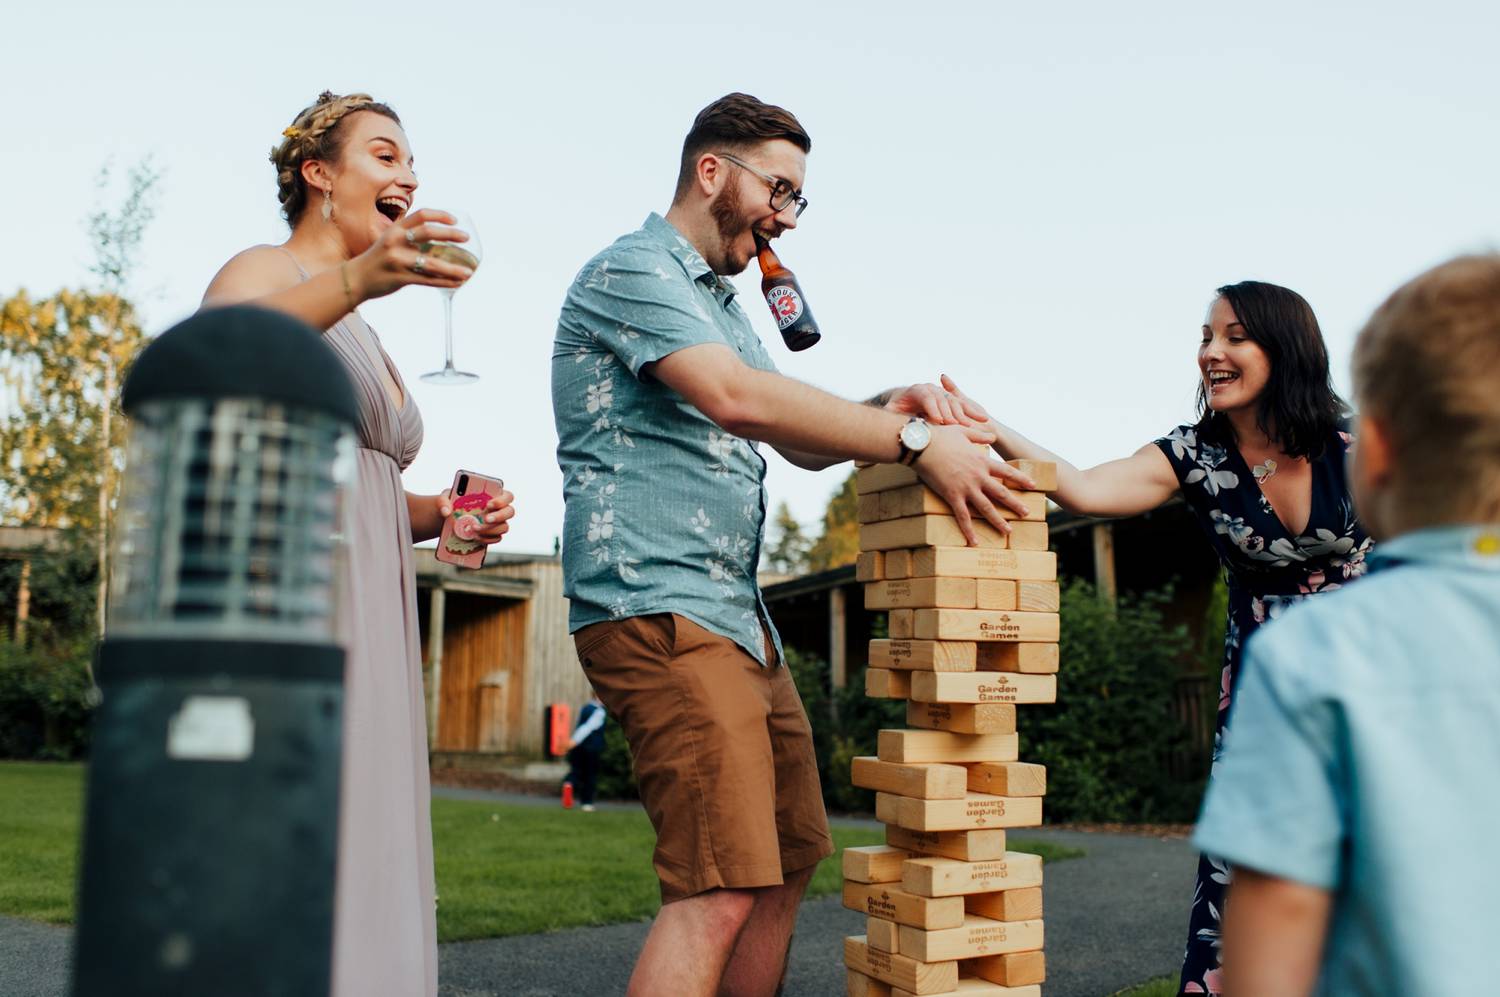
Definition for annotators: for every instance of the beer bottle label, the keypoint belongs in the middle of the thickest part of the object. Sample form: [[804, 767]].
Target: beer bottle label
[[786, 305]]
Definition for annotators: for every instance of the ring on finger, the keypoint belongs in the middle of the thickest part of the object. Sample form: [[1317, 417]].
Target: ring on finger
[[411, 237], [419, 264]]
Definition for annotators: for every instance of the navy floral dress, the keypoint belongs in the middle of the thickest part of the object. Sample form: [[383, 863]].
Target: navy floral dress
[[1268, 569]]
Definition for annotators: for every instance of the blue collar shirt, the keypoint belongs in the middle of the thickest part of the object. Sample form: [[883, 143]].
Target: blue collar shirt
[[665, 511], [1363, 757]]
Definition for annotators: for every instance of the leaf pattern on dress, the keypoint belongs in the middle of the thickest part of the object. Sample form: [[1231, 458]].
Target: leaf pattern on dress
[[1210, 472]]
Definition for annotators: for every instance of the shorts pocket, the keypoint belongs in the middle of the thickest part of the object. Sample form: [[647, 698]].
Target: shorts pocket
[[594, 643]]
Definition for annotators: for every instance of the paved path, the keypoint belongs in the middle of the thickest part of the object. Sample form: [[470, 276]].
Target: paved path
[[1114, 918]]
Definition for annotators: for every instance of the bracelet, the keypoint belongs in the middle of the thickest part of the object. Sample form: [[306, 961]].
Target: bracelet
[[348, 291]]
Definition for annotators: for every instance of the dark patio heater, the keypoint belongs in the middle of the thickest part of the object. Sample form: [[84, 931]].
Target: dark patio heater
[[213, 785]]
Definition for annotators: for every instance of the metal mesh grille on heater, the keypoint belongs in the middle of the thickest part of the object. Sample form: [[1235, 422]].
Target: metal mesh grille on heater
[[231, 522]]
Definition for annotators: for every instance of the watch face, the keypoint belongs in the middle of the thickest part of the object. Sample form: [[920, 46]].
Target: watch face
[[916, 435]]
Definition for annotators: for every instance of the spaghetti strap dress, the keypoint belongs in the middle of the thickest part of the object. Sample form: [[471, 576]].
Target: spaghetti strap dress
[[1267, 567], [385, 924]]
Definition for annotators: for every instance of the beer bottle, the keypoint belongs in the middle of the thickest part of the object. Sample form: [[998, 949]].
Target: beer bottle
[[788, 306]]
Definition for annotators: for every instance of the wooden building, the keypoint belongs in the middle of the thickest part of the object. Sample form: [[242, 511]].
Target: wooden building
[[495, 653]]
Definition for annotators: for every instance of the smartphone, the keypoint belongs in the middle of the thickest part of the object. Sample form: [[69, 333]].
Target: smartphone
[[458, 544]]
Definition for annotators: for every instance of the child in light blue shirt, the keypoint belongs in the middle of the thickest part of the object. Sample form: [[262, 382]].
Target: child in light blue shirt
[[1358, 797]]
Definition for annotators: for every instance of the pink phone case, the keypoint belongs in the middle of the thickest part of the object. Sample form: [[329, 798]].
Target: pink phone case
[[470, 493]]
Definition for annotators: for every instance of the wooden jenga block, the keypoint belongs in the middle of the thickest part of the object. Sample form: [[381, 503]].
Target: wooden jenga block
[[924, 655], [897, 564], [898, 970], [857, 984], [982, 687], [966, 846], [1012, 969], [901, 623], [1007, 905], [919, 500], [978, 936], [894, 904], [907, 593], [883, 477], [874, 863], [869, 566], [992, 593], [944, 531], [1037, 597], [962, 718], [1008, 778], [882, 683], [977, 810], [984, 562], [940, 877], [973, 986], [1043, 473], [918, 746], [1033, 659], [882, 934], [867, 508], [981, 624], [925, 782]]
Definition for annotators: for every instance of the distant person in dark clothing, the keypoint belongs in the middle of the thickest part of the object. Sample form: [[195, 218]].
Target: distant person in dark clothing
[[584, 749]]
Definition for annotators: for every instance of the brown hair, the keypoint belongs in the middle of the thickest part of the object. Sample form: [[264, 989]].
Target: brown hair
[[733, 122], [1298, 409], [1427, 367], [315, 133]]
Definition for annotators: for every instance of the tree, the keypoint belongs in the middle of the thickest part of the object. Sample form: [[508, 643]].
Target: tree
[[787, 554], [839, 544], [117, 242], [61, 360]]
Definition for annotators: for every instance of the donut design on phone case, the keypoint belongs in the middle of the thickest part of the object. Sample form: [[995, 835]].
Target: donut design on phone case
[[468, 519]]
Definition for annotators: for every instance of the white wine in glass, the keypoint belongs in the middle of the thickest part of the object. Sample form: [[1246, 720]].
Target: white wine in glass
[[464, 254]]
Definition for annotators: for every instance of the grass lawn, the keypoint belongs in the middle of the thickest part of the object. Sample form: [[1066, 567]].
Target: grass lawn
[[502, 869]]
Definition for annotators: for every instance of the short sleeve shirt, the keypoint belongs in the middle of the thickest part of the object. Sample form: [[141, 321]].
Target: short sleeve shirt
[[1364, 759], [665, 511]]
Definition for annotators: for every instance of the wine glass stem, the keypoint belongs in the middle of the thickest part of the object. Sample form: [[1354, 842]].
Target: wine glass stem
[[448, 326]]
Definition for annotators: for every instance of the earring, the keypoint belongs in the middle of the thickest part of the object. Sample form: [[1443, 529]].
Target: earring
[[328, 204]]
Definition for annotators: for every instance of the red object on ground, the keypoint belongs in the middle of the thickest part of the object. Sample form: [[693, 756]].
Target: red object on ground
[[558, 729], [567, 799]]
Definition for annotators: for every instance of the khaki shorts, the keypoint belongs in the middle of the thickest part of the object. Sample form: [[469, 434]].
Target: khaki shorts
[[723, 752]]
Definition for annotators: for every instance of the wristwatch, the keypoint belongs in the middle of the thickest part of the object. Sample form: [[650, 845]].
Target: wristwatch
[[914, 437]]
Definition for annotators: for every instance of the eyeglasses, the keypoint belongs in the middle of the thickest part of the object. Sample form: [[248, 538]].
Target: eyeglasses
[[782, 193]]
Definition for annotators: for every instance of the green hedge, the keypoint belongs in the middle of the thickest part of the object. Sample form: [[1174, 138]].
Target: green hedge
[[1105, 741], [45, 697]]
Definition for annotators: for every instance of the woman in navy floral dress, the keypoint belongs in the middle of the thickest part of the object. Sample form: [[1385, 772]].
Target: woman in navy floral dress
[[1263, 471]]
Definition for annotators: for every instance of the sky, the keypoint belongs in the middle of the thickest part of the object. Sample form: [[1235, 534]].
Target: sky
[[1037, 199]]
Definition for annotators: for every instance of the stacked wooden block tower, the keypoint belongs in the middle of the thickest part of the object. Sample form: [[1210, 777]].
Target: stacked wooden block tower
[[973, 633]]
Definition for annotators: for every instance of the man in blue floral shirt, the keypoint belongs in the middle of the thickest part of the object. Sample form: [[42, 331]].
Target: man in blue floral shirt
[[660, 391]]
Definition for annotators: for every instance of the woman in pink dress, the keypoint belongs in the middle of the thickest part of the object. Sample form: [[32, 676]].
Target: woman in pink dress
[[344, 170]]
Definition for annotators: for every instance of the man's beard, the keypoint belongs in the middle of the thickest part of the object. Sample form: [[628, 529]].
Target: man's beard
[[725, 208]]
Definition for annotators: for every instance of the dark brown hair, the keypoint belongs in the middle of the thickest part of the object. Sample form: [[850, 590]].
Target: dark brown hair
[[315, 133], [733, 122], [1298, 408]]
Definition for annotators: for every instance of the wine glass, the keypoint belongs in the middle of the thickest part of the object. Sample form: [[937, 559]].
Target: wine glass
[[465, 254]]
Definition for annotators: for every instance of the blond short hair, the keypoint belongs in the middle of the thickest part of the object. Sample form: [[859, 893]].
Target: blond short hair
[[1427, 367]]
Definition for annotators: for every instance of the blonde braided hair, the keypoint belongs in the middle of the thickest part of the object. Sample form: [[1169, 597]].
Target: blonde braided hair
[[314, 134]]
